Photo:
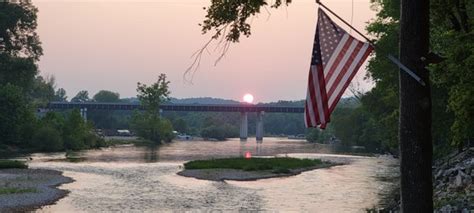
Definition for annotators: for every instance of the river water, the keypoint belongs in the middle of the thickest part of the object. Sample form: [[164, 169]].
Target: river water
[[143, 179]]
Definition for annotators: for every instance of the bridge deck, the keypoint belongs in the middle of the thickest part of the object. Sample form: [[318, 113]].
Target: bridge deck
[[179, 107]]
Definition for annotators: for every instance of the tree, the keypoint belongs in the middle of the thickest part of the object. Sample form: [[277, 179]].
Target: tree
[[81, 96], [17, 28], [20, 47], [60, 95], [47, 139], [452, 36], [43, 90], [106, 96], [148, 124], [416, 148], [16, 118], [180, 125], [152, 96]]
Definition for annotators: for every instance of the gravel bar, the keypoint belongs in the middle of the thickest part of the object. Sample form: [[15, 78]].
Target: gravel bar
[[44, 182]]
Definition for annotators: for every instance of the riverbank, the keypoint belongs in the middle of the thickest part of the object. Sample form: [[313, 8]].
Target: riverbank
[[453, 188], [27, 189]]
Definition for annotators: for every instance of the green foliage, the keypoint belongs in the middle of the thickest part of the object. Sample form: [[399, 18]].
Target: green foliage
[[452, 36], [60, 95], [12, 164], [43, 90], [152, 96], [151, 127], [148, 125], [320, 136], [47, 139], [231, 17], [219, 132], [17, 71], [81, 96], [180, 125], [254, 164], [11, 190], [20, 47], [105, 119], [106, 96], [16, 118], [75, 130], [17, 28]]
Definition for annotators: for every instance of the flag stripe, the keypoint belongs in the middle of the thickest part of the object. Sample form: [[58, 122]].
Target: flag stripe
[[307, 119], [310, 111], [341, 64], [345, 68], [322, 88], [313, 99], [319, 94], [338, 56], [366, 50], [335, 55]]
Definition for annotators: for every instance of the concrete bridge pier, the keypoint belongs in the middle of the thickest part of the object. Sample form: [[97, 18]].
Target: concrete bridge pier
[[84, 113], [243, 126], [259, 131]]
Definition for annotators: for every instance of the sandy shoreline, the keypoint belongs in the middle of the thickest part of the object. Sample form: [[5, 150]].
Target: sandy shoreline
[[240, 175], [43, 182]]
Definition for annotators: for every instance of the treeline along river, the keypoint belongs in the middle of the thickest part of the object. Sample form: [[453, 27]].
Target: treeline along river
[[136, 179]]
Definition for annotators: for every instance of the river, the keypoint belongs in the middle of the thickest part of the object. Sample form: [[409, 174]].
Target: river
[[143, 179]]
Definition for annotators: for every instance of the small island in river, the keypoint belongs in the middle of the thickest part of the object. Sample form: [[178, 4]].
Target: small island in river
[[247, 169]]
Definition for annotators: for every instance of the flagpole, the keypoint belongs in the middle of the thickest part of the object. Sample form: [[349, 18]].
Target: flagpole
[[393, 59]]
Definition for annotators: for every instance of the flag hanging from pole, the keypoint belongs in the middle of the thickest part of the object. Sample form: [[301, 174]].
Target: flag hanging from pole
[[336, 58]]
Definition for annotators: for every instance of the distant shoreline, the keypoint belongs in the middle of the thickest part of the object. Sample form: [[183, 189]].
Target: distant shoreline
[[41, 184]]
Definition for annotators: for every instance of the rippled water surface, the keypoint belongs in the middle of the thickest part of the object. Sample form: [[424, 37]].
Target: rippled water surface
[[140, 179]]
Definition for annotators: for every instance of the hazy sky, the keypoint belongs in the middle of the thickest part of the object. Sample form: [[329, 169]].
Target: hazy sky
[[93, 45]]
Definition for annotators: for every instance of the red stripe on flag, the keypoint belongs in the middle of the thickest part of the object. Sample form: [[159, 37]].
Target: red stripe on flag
[[322, 89], [309, 123], [346, 84], [345, 69], [339, 56], [312, 96]]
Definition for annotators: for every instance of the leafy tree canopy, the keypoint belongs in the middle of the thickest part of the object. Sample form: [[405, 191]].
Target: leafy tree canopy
[[81, 96], [106, 96], [17, 29]]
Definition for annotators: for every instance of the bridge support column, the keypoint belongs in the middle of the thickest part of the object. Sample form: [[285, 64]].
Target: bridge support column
[[84, 113], [243, 126], [259, 132]]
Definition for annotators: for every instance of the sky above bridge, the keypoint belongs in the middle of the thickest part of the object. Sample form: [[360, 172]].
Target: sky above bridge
[[113, 44]]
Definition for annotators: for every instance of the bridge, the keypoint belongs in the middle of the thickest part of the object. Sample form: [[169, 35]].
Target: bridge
[[243, 108]]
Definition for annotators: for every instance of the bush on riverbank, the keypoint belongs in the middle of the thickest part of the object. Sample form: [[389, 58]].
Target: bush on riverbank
[[12, 164], [278, 165], [60, 132]]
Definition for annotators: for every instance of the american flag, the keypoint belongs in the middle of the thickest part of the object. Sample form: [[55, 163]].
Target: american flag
[[337, 56]]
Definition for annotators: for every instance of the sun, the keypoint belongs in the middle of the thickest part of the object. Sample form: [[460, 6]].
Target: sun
[[248, 98]]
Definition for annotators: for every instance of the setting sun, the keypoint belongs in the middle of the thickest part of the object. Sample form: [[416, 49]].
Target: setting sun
[[248, 98]]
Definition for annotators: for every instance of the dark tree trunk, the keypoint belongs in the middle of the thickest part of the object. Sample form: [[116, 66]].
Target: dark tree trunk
[[415, 110]]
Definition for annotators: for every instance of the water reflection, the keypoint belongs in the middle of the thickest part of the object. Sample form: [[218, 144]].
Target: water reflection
[[151, 154], [143, 179]]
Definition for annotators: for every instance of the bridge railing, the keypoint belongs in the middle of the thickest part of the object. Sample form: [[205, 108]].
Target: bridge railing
[[179, 107]]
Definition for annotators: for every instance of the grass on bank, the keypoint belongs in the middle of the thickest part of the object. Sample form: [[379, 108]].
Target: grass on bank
[[12, 164], [12, 190], [276, 165]]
